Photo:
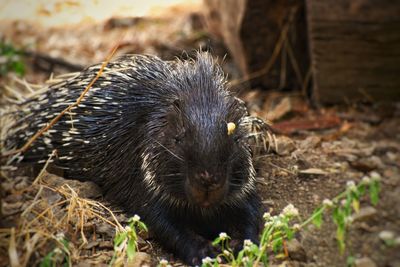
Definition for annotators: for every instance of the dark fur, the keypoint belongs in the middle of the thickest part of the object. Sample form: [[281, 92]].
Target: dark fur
[[157, 127]]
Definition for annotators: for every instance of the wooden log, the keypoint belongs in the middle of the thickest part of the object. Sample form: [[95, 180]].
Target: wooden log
[[266, 38], [355, 49]]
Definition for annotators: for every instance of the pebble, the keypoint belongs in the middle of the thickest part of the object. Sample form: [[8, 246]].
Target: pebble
[[105, 228], [296, 251], [91, 244], [365, 214], [364, 262], [141, 259]]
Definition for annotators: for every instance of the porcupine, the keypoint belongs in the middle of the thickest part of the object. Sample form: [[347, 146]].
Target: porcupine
[[153, 134]]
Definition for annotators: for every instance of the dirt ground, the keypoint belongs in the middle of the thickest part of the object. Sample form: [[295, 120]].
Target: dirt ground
[[311, 164]]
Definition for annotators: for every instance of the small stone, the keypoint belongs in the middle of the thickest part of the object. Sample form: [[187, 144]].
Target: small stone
[[364, 262], [105, 228], [11, 208], [285, 146], [365, 214], [310, 142], [367, 164], [141, 259], [296, 251], [91, 244], [105, 244], [386, 235]]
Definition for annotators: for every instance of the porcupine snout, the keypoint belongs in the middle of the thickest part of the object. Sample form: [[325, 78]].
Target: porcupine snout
[[206, 189]]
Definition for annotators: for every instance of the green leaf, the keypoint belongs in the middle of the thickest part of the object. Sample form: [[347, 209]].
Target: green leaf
[[356, 205], [142, 226], [216, 241], [347, 205], [119, 238], [350, 261], [317, 220], [48, 260], [131, 249], [374, 192], [340, 236], [65, 244], [277, 245], [240, 256], [289, 233], [361, 189], [18, 67]]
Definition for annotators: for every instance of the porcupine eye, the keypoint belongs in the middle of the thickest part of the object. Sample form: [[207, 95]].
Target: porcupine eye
[[179, 138]]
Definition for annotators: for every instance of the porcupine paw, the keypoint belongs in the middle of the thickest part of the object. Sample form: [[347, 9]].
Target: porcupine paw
[[198, 253]]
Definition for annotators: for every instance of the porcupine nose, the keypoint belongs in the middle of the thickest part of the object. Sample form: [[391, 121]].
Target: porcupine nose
[[206, 189], [207, 180]]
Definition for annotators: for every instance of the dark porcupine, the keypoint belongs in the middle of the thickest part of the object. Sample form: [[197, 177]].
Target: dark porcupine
[[154, 135]]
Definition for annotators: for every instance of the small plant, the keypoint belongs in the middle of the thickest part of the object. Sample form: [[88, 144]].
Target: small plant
[[125, 241], [279, 229], [10, 59], [59, 256]]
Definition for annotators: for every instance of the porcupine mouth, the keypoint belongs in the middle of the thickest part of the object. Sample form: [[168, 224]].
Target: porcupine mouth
[[206, 198]]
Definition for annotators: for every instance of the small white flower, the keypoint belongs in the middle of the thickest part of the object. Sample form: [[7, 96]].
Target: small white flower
[[386, 235], [57, 251], [128, 228], [366, 180], [375, 176], [247, 242], [226, 252], [136, 218], [296, 226], [223, 236], [278, 224], [351, 185], [60, 236], [163, 262], [327, 202], [245, 259], [267, 216], [349, 220], [343, 202], [267, 224], [207, 260], [290, 210]]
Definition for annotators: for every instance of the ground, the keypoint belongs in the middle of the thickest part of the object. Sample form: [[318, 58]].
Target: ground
[[318, 151]]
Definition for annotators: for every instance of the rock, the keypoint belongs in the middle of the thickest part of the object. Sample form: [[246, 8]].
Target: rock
[[367, 164], [364, 262], [51, 196], [141, 259], [106, 244], [386, 235], [310, 142], [296, 251], [11, 208], [84, 189], [364, 214], [285, 146], [91, 244], [105, 228]]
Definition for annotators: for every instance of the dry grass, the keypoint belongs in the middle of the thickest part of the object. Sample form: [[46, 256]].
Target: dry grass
[[55, 221]]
